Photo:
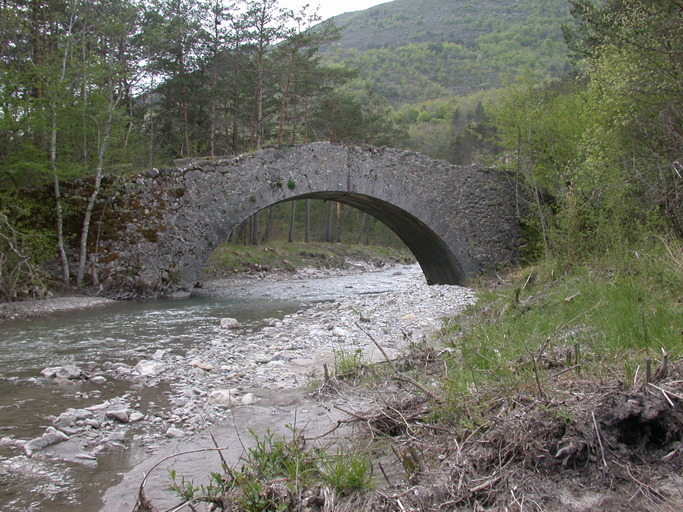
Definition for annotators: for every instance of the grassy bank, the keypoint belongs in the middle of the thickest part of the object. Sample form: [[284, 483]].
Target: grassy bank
[[602, 320], [291, 257]]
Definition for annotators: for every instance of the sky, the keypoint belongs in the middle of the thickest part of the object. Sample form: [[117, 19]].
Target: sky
[[329, 8]]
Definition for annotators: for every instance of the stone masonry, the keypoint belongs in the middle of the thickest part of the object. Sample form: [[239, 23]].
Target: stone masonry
[[164, 224]]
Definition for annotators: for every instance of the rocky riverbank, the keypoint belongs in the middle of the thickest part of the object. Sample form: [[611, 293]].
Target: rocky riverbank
[[247, 371]]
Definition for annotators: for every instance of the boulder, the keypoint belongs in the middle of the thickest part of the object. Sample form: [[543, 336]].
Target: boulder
[[63, 421], [50, 437], [249, 399], [207, 367], [79, 414], [173, 432], [136, 416], [120, 415]]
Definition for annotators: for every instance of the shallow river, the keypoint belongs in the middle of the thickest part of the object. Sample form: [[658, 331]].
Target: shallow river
[[123, 332]]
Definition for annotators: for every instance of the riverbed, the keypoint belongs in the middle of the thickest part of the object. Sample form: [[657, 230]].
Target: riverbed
[[158, 376]]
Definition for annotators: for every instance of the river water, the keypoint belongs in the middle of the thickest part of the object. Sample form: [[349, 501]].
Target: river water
[[99, 338], [117, 332]]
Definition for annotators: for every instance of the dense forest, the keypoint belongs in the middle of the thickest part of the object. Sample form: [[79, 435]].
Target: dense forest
[[580, 101]]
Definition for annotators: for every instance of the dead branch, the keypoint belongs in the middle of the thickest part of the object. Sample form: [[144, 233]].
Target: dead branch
[[398, 375]]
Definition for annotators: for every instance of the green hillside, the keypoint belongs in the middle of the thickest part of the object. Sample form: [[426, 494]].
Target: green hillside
[[416, 50]]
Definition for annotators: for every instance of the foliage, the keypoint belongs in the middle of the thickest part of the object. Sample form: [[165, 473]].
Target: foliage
[[285, 256], [20, 274], [601, 154], [595, 320], [413, 51], [276, 474], [359, 117], [347, 363], [323, 221], [347, 471], [633, 62]]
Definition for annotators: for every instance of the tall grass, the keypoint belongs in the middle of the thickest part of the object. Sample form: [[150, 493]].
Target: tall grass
[[590, 321]]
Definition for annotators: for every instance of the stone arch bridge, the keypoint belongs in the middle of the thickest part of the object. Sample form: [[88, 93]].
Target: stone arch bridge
[[158, 228]]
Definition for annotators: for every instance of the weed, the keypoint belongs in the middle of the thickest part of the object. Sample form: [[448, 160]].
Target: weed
[[346, 472], [274, 474], [348, 363]]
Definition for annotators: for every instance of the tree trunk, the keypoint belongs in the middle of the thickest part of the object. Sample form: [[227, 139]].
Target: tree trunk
[[368, 225], [305, 121], [269, 225], [112, 103], [307, 227], [83, 255], [339, 218], [362, 228], [255, 229], [186, 121], [328, 234], [291, 222], [259, 104], [295, 119], [283, 103], [58, 197]]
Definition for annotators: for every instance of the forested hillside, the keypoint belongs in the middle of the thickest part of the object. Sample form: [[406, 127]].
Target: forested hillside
[[416, 50], [437, 63]]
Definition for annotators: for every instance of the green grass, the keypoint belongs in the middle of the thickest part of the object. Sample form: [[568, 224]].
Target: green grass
[[599, 322]]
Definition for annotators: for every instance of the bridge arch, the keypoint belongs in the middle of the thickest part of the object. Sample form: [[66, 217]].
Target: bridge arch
[[438, 263], [458, 221]]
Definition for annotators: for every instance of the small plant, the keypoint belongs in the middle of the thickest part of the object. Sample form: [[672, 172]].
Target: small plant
[[276, 473], [348, 363], [275, 457], [186, 490], [291, 184], [346, 472]]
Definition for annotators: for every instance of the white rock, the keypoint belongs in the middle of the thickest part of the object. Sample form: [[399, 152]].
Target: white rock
[[173, 432], [148, 368], [249, 399], [222, 398], [116, 437], [68, 371], [79, 414], [203, 366], [136, 416], [122, 415], [229, 323], [50, 437], [160, 353], [64, 420]]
